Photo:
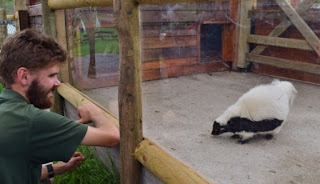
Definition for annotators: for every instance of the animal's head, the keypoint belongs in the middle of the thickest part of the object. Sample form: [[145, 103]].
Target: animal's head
[[288, 88], [217, 129]]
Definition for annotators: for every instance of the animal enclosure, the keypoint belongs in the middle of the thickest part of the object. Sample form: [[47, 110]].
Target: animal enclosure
[[165, 70]]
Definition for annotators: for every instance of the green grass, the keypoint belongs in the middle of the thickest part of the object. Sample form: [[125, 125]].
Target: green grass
[[1, 87], [110, 45], [91, 171]]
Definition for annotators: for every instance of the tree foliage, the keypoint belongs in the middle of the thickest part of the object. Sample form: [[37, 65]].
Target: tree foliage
[[8, 5]]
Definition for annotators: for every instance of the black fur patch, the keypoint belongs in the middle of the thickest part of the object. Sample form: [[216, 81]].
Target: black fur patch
[[237, 124]]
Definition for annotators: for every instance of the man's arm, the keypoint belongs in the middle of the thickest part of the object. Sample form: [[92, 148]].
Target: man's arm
[[61, 167], [105, 133]]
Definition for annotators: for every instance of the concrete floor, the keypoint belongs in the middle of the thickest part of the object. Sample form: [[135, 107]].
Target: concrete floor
[[178, 114]]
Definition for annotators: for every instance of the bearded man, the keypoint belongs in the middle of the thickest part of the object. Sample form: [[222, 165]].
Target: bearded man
[[30, 136]]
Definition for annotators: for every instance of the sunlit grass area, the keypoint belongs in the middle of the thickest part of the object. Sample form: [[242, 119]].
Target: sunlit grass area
[[92, 170], [108, 43]]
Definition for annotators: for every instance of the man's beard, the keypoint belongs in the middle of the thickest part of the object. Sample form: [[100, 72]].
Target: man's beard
[[38, 96]]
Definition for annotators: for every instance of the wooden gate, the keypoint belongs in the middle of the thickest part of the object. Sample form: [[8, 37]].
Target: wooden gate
[[281, 56]]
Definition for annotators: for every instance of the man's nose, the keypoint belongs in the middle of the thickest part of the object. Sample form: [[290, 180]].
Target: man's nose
[[57, 83]]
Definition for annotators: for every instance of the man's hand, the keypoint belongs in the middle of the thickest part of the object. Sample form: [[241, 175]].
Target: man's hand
[[62, 167], [88, 112], [75, 161]]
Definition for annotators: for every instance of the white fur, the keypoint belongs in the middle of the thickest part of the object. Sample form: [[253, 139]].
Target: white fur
[[262, 102]]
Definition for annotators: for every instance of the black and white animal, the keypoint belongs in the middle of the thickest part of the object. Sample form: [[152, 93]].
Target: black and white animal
[[262, 110]]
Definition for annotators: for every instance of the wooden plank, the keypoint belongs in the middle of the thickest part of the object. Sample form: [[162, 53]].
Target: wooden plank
[[69, 4], [23, 19], [164, 166], [173, 1], [280, 42], [286, 73], [308, 15], [183, 70], [233, 10], [244, 31], [168, 63], [228, 42], [301, 25], [284, 25], [168, 53], [35, 10], [76, 98], [48, 19], [284, 63], [167, 16], [168, 42], [166, 30], [18, 5], [183, 6], [199, 41], [126, 14], [62, 40]]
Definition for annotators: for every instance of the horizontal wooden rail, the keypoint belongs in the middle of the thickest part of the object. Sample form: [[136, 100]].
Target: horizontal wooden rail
[[284, 63], [174, 1], [164, 166], [11, 17], [68, 4], [279, 42], [76, 98]]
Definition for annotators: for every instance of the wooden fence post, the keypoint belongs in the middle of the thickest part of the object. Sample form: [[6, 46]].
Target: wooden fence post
[[130, 109], [244, 32], [3, 27], [49, 28]]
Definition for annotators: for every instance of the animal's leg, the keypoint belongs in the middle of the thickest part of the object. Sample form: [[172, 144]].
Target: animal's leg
[[245, 137], [235, 136], [269, 136]]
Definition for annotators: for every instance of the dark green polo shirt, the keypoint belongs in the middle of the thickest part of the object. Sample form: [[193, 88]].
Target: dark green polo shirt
[[30, 137]]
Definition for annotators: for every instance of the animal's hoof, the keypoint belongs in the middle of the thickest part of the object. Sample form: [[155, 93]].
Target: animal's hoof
[[269, 136]]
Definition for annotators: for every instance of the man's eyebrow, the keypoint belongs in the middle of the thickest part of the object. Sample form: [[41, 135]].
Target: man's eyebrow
[[53, 74]]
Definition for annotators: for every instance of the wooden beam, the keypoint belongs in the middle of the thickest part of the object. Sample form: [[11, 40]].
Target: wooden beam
[[3, 27], [62, 40], [279, 42], [284, 25], [284, 63], [301, 25], [174, 1], [18, 5], [126, 14], [49, 28], [164, 166], [68, 4], [76, 98], [48, 19], [23, 19], [244, 31]]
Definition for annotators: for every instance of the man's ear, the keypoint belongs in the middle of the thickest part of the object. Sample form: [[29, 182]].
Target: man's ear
[[23, 76]]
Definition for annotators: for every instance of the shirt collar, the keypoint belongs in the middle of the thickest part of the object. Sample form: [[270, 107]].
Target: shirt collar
[[10, 94]]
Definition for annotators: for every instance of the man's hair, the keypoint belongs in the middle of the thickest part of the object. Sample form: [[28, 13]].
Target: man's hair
[[30, 49]]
